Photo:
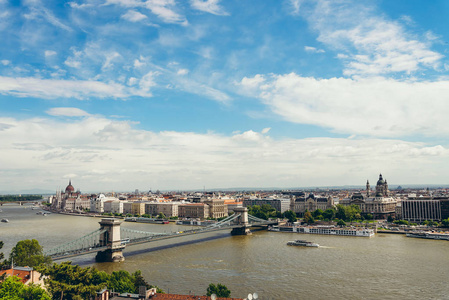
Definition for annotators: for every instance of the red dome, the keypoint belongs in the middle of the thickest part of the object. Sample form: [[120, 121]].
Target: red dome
[[70, 188]]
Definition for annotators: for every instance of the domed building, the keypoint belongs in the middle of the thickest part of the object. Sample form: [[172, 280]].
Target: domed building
[[69, 189], [70, 200], [380, 206]]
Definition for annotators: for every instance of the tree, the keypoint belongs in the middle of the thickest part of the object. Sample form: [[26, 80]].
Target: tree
[[72, 282], [341, 223], [13, 289], [291, 216], [329, 214], [220, 290], [67, 281], [1, 253], [161, 216], [308, 218], [28, 253], [445, 222], [3, 263], [341, 212], [318, 212], [261, 215]]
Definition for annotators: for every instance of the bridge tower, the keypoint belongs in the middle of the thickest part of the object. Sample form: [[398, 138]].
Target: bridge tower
[[111, 239], [243, 221]]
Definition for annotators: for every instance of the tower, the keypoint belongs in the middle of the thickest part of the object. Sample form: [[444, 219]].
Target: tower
[[367, 188], [380, 187]]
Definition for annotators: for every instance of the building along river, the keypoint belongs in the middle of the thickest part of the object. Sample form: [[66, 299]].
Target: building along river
[[382, 267]]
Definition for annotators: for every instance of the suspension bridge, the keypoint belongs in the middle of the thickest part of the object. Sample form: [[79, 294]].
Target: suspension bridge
[[111, 238]]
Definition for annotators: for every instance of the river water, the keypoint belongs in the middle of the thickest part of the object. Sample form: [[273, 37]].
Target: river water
[[386, 266]]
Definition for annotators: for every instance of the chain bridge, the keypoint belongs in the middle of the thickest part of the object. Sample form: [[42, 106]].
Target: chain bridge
[[111, 238]]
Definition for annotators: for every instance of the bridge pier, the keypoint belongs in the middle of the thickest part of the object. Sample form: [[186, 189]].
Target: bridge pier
[[111, 239], [243, 221]]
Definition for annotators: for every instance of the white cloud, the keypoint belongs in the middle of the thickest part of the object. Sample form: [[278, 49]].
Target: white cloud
[[134, 16], [313, 49], [371, 106], [37, 11], [139, 63], [182, 72], [120, 157], [210, 6], [109, 57], [164, 9], [67, 112], [132, 81], [5, 62], [375, 44], [79, 89], [49, 53], [296, 5], [266, 130]]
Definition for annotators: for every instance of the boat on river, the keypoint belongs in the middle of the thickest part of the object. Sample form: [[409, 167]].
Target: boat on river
[[325, 229], [429, 235], [302, 243], [5, 220]]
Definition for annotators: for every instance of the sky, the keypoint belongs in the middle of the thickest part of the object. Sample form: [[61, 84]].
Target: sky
[[118, 95]]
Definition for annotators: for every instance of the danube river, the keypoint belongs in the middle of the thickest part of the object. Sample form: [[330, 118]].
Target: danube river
[[382, 267]]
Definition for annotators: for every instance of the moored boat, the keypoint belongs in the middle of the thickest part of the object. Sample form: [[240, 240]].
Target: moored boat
[[429, 235]]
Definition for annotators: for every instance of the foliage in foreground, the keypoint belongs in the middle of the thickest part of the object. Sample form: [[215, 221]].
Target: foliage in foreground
[[72, 281], [13, 289], [28, 253], [220, 290]]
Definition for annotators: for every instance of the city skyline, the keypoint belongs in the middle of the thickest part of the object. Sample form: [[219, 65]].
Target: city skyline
[[181, 95]]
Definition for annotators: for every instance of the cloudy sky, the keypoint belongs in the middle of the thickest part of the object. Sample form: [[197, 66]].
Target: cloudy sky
[[185, 94]]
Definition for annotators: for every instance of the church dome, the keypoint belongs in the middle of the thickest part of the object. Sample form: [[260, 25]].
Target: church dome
[[380, 181], [70, 188]]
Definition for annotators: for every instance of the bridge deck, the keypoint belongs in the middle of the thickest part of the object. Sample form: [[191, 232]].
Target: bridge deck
[[153, 238]]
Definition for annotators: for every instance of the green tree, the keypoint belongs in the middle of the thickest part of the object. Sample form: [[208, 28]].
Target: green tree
[[261, 215], [341, 212], [69, 282], [329, 214], [308, 218], [401, 222], [291, 216], [220, 290], [28, 253], [13, 289], [4, 264], [318, 212], [341, 223], [445, 222], [73, 282], [1, 253], [161, 216]]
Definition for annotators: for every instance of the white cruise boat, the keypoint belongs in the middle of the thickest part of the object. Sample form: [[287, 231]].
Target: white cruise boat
[[326, 229], [302, 243]]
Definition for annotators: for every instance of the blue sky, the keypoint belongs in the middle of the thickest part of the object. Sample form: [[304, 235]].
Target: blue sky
[[169, 94]]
